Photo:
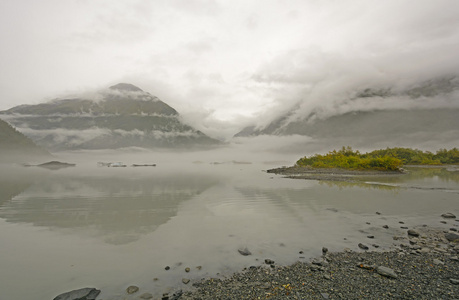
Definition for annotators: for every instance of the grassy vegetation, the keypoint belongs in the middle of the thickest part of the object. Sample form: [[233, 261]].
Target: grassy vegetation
[[390, 159]]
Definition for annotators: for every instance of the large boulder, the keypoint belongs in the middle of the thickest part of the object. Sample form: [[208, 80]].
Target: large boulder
[[81, 294]]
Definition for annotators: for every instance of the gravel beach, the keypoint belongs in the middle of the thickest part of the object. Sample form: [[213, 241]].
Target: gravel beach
[[423, 265], [427, 267]]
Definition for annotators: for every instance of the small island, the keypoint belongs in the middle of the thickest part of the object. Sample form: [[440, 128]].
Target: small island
[[52, 165], [346, 163]]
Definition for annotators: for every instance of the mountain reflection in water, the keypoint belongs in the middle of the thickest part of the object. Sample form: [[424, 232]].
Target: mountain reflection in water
[[112, 227], [116, 209]]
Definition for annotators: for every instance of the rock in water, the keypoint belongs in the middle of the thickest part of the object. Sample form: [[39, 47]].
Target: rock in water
[[413, 232], [132, 289], [385, 271], [244, 251], [448, 216], [146, 296], [81, 294], [362, 246]]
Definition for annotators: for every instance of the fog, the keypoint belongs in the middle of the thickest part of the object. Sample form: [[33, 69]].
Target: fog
[[226, 65]]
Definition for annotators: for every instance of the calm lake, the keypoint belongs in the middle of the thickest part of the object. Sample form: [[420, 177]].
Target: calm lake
[[105, 227]]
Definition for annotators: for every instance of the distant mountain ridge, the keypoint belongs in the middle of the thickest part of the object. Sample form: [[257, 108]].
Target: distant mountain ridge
[[377, 120], [16, 147], [120, 99], [121, 116]]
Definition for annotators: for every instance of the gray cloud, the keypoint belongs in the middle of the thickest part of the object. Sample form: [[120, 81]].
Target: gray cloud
[[224, 65]]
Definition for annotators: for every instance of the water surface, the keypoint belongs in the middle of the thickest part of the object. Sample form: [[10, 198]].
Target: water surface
[[113, 227]]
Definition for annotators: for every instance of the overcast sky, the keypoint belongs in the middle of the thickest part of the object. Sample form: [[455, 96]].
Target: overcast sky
[[221, 63]]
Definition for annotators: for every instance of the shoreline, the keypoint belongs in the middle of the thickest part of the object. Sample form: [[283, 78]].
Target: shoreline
[[422, 264], [331, 174], [425, 267]]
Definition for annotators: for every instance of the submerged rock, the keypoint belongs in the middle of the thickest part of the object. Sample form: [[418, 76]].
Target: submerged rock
[[80, 294], [362, 246], [448, 216], [132, 289], [244, 251], [146, 296], [413, 232]]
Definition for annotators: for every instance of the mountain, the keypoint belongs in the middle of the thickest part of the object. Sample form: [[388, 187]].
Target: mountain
[[121, 116], [426, 111], [16, 147]]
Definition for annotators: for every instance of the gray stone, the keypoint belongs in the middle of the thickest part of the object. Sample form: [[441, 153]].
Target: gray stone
[[244, 251], [132, 289], [437, 261], [362, 246], [454, 281], [413, 232], [318, 261], [185, 280], [146, 296], [80, 294], [448, 216], [385, 271], [176, 295], [452, 236]]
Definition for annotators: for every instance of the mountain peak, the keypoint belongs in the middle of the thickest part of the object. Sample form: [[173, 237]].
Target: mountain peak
[[126, 87]]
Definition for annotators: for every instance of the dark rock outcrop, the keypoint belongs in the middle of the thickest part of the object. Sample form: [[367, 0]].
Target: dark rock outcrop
[[80, 294]]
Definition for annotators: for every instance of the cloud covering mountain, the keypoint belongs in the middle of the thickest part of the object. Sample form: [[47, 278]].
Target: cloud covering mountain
[[121, 116], [223, 64], [383, 115]]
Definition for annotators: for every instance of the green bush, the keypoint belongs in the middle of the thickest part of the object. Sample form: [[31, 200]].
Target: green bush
[[390, 159]]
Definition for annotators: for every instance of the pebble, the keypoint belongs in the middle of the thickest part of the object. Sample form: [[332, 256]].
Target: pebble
[[362, 246], [452, 236], [385, 271], [132, 289], [185, 280], [187, 270], [146, 296], [244, 251], [448, 216], [413, 232]]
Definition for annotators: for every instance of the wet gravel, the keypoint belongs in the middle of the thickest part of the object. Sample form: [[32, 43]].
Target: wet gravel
[[425, 268]]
